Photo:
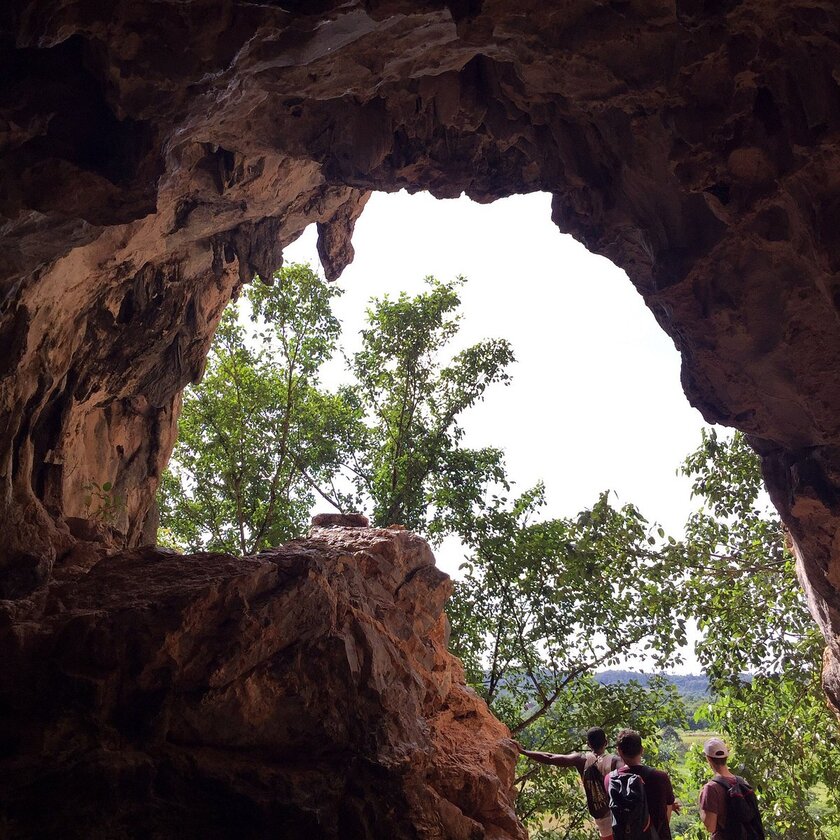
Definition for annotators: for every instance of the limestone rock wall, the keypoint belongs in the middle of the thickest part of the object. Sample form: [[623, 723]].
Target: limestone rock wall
[[303, 693], [154, 156]]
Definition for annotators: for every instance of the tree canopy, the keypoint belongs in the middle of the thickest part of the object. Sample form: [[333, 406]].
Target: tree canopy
[[412, 462], [759, 645], [258, 437]]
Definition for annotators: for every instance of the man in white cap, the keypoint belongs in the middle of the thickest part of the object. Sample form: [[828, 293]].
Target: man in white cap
[[727, 799]]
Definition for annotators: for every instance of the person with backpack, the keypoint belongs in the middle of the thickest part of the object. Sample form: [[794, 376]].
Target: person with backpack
[[728, 806], [592, 766], [641, 798]]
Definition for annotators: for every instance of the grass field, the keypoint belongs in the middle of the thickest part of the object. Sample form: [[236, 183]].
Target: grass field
[[696, 736], [687, 791]]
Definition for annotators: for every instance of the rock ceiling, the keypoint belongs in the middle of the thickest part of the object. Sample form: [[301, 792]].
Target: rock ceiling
[[155, 156]]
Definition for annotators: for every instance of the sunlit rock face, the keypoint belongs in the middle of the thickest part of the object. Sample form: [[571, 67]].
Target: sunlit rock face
[[155, 156], [303, 693]]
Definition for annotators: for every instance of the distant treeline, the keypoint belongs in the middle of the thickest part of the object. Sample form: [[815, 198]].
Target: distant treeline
[[690, 686], [693, 688]]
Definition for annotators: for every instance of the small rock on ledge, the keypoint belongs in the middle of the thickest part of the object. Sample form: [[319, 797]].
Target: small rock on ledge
[[340, 520]]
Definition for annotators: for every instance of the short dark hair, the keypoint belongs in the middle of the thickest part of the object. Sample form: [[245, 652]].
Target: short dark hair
[[629, 742], [596, 738], [717, 763]]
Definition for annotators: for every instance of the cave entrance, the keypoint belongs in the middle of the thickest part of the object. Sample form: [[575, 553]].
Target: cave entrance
[[595, 400], [595, 403]]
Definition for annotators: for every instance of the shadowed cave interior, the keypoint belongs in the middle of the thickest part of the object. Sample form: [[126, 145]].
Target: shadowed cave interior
[[154, 158]]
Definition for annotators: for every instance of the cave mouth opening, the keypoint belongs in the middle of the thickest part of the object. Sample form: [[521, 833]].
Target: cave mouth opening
[[595, 400], [595, 396], [594, 377]]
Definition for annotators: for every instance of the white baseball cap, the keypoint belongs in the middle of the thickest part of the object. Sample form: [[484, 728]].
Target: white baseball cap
[[715, 748]]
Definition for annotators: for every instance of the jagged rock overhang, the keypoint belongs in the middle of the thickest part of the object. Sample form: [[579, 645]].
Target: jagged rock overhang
[[154, 159]]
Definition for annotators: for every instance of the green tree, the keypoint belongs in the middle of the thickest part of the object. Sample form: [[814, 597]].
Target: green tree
[[545, 601], [541, 606], [412, 464], [258, 437], [760, 646]]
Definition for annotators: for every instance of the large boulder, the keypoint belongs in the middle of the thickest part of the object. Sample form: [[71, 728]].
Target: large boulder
[[303, 693]]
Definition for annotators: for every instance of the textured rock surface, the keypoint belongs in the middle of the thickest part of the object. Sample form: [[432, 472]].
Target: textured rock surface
[[303, 693], [154, 156]]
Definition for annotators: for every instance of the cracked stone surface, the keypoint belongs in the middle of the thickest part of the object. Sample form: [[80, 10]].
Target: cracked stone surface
[[156, 156], [304, 692]]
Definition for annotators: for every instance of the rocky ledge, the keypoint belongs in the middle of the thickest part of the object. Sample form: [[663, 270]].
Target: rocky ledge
[[302, 693]]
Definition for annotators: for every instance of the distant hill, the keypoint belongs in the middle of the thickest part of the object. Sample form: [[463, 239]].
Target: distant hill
[[688, 685]]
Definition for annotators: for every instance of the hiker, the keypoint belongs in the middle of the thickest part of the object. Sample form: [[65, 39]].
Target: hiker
[[592, 766], [641, 798], [728, 807]]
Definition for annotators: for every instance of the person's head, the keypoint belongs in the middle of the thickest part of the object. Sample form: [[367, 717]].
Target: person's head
[[629, 745], [596, 738], [717, 753]]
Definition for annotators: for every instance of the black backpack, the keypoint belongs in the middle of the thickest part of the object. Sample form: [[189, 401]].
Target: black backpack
[[743, 821], [596, 794], [628, 804]]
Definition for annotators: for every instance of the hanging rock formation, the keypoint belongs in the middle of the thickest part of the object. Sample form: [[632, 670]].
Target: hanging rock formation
[[302, 693], [156, 156]]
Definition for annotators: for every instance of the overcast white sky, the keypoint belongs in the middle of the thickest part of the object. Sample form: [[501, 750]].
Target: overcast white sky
[[595, 402]]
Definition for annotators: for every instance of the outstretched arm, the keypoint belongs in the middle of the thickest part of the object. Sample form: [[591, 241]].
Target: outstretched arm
[[570, 760]]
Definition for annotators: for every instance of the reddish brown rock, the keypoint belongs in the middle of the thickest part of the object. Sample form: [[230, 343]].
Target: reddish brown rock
[[303, 693], [345, 520], [155, 156]]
